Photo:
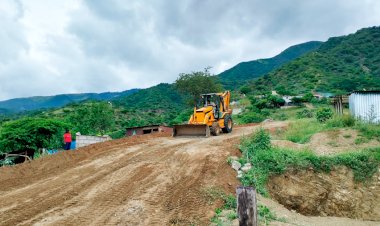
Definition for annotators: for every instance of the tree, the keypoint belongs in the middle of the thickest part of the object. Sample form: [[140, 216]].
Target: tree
[[245, 89], [93, 118], [308, 97], [30, 134], [197, 83]]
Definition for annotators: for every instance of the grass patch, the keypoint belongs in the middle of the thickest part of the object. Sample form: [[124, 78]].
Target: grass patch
[[368, 131], [300, 131], [265, 215], [269, 161], [286, 114]]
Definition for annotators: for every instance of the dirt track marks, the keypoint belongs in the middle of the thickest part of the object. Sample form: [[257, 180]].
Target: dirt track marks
[[155, 178]]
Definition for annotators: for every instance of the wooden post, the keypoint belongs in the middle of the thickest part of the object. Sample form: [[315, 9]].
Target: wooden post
[[246, 206], [338, 105]]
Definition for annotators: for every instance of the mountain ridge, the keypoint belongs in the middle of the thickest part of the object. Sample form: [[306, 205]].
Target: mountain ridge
[[339, 66], [240, 73], [16, 105]]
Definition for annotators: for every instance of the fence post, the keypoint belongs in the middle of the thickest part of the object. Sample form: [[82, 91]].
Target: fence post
[[246, 206]]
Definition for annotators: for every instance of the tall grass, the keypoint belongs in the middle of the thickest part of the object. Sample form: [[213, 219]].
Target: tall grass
[[301, 130], [369, 131]]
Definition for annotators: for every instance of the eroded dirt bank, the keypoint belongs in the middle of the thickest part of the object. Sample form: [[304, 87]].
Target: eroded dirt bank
[[333, 194]]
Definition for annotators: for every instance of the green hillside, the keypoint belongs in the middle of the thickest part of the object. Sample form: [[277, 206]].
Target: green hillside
[[45, 102], [239, 74], [160, 104], [340, 65]]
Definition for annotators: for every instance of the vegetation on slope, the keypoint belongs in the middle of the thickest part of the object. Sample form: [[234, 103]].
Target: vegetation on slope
[[159, 104], [268, 160], [241, 73], [340, 65], [30, 134]]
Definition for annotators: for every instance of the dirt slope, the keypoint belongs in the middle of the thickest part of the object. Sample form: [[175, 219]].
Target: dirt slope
[[146, 180], [142, 180]]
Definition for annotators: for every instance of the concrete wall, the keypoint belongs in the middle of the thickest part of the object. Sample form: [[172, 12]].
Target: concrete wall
[[83, 140]]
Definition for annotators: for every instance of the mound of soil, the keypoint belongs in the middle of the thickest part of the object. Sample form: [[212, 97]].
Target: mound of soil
[[333, 194]]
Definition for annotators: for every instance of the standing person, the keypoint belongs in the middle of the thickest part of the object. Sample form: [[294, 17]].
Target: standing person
[[67, 139]]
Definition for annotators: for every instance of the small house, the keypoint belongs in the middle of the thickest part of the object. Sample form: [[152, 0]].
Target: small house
[[141, 130]]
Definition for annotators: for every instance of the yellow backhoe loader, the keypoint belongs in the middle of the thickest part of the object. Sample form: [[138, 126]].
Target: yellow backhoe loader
[[212, 115]]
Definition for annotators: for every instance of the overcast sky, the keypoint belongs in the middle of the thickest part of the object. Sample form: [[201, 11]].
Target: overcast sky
[[52, 46]]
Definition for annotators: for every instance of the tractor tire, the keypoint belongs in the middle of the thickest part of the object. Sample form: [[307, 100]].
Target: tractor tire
[[215, 129], [227, 124]]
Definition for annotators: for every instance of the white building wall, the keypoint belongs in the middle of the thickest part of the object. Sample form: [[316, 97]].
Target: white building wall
[[365, 106], [82, 140]]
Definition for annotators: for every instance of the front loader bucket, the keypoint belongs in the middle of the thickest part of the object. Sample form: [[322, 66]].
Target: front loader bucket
[[191, 130]]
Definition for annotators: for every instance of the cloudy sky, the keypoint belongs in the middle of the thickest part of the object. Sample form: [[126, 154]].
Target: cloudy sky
[[52, 46]]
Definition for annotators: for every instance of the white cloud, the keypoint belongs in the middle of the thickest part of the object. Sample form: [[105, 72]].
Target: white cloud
[[51, 47]]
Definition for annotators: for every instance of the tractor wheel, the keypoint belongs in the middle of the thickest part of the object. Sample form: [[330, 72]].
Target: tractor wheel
[[215, 129], [227, 124]]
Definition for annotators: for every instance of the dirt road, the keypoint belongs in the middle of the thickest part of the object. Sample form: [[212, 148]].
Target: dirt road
[[142, 180]]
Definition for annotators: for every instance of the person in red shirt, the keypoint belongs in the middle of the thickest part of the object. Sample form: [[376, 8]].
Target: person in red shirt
[[67, 139]]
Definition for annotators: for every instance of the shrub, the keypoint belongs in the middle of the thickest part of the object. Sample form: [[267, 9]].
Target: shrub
[[341, 121], [323, 114], [258, 141], [252, 117], [117, 134], [305, 113], [348, 120]]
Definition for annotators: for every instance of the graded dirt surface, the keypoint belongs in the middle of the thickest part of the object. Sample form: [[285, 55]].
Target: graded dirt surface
[[142, 180]]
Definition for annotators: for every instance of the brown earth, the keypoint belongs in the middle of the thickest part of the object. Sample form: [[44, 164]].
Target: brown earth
[[333, 194], [141, 180]]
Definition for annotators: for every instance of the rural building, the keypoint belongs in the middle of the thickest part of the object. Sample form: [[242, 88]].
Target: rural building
[[141, 130], [365, 105]]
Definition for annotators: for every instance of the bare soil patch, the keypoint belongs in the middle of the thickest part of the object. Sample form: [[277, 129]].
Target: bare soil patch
[[141, 180]]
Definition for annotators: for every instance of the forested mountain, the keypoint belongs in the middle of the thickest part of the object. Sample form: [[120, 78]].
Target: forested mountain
[[155, 105], [40, 102], [239, 74], [340, 65]]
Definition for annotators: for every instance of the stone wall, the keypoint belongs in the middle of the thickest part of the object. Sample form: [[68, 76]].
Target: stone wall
[[83, 140]]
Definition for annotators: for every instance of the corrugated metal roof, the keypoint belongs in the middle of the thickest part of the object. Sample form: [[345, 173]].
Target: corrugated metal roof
[[366, 91]]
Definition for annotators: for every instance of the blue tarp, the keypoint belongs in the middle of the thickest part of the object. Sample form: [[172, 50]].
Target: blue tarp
[[72, 148]]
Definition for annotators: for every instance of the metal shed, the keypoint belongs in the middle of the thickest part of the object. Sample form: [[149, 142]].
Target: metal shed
[[365, 105]]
